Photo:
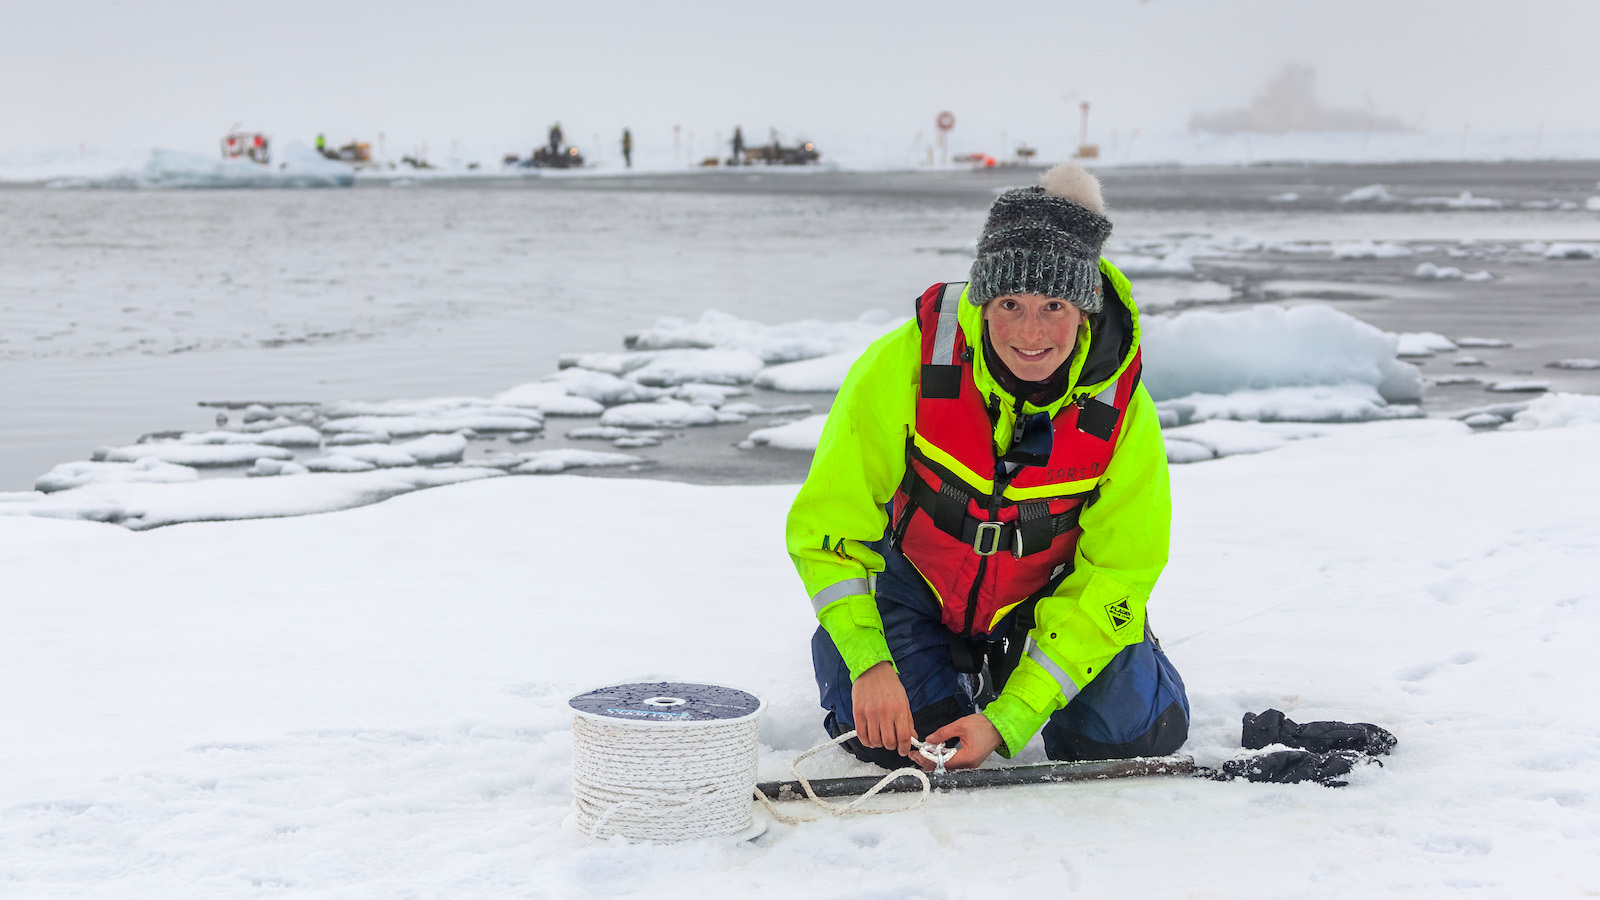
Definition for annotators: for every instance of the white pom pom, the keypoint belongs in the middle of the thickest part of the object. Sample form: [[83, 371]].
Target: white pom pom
[[1071, 182]]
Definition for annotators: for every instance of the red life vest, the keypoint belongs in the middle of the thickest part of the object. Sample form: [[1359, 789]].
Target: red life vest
[[985, 531]]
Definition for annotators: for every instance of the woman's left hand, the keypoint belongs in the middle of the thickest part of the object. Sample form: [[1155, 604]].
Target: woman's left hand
[[978, 739]]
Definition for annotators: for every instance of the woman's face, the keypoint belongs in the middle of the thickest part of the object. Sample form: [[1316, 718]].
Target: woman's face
[[1032, 333]]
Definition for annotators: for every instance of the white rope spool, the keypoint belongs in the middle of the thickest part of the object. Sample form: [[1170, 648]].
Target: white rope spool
[[665, 761]]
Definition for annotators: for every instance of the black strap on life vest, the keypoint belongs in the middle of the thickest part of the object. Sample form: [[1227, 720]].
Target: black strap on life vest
[[941, 375], [1035, 529]]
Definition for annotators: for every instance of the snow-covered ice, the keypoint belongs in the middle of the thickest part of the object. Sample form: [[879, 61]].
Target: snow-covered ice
[[370, 703], [1424, 343], [1482, 342], [77, 474], [1317, 403], [670, 368], [664, 413], [825, 373], [1572, 250], [1372, 193], [551, 398], [1516, 386], [1557, 410], [203, 456], [801, 435], [297, 166], [788, 342], [1577, 363], [545, 462], [1371, 250], [445, 423]]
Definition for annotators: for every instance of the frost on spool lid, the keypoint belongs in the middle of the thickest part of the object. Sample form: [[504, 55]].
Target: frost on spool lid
[[668, 702]]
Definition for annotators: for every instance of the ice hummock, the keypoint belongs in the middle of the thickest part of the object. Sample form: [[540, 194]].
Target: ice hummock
[[1212, 352]]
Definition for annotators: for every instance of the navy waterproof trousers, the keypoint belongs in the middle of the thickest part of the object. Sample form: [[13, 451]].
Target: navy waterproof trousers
[[1135, 707]]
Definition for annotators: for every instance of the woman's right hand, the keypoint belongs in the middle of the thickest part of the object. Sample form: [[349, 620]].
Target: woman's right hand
[[882, 712]]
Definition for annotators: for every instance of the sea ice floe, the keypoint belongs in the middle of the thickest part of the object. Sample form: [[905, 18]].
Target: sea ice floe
[[267, 468], [1227, 438], [1468, 361], [604, 433], [1371, 250], [1136, 265], [670, 368], [1463, 200], [1484, 420], [1424, 343], [1556, 411], [713, 395], [549, 397], [285, 436], [201, 456], [1570, 250], [788, 342], [348, 438], [823, 374], [801, 435], [339, 462], [1212, 352], [548, 462], [1452, 379], [1180, 451], [664, 413], [1580, 363], [140, 506], [1319, 403], [1372, 193], [67, 476], [405, 426], [1481, 342], [604, 388], [1513, 387], [1430, 272], [1165, 293]]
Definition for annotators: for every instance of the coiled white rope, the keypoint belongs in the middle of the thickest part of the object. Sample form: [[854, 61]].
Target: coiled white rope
[[663, 782]]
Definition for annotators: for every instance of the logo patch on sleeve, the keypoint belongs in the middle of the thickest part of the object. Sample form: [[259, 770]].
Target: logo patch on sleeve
[[1119, 613]]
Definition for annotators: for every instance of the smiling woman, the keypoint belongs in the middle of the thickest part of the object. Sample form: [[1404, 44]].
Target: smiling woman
[[1000, 591]]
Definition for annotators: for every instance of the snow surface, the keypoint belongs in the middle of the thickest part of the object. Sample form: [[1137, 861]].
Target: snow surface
[[1575, 363], [1320, 403], [826, 373], [1371, 250], [1424, 343], [204, 456], [373, 702], [788, 342], [77, 474]]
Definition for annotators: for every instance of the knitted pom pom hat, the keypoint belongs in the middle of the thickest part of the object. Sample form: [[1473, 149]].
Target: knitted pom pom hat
[[1044, 240]]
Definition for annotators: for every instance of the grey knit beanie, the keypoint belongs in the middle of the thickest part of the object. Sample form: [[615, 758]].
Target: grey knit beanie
[[1044, 240]]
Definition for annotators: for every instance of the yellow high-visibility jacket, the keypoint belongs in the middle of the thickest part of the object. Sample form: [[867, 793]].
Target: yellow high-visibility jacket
[[861, 459]]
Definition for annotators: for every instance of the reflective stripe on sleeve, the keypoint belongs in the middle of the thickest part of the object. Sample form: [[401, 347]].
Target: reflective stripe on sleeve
[[1069, 688], [838, 591], [944, 335]]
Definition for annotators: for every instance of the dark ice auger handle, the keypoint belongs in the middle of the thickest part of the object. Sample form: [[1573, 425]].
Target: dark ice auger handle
[[963, 779]]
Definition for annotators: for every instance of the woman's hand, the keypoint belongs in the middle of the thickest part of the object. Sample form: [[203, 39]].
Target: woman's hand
[[882, 712], [978, 739]]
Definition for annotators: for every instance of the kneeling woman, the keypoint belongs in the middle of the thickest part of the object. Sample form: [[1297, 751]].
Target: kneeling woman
[[988, 510]]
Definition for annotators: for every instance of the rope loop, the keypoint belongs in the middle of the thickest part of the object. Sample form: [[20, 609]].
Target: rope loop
[[935, 752]]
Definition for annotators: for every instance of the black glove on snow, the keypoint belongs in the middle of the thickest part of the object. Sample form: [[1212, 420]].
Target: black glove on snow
[[1292, 767], [1273, 727]]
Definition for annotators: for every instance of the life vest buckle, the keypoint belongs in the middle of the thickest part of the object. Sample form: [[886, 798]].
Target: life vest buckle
[[987, 540]]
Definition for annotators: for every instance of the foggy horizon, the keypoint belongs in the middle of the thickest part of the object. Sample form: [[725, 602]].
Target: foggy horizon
[[493, 76]]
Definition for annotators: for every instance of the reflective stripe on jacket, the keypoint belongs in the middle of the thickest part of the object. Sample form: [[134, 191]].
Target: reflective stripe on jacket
[[1093, 611]]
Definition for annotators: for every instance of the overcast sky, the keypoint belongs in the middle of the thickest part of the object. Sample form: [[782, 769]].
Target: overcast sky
[[493, 75]]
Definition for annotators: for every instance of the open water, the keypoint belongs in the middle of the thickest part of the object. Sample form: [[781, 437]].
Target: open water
[[120, 311]]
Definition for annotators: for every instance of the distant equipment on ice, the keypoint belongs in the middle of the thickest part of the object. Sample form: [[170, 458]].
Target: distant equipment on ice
[[665, 761], [251, 145]]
